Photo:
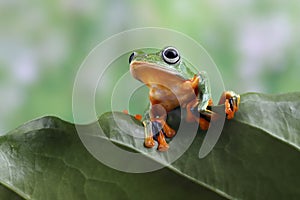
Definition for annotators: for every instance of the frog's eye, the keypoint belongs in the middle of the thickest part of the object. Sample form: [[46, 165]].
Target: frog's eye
[[170, 55], [132, 56]]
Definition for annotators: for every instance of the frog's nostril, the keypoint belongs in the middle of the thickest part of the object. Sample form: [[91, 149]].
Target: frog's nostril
[[131, 57]]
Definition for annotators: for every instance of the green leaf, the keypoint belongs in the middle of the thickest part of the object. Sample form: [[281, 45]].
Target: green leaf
[[256, 157], [45, 159], [6, 193]]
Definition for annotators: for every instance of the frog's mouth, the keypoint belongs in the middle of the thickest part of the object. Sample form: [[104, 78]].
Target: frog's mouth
[[150, 73]]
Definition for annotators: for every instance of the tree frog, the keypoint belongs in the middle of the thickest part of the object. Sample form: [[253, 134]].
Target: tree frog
[[172, 83]]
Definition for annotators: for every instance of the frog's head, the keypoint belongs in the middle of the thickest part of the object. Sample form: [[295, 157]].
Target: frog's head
[[161, 66]]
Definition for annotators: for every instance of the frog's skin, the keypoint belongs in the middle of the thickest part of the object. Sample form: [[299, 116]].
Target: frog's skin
[[173, 82]]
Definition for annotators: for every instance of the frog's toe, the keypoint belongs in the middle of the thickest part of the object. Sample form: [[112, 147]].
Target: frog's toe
[[168, 131], [162, 144], [163, 147], [228, 111], [149, 142]]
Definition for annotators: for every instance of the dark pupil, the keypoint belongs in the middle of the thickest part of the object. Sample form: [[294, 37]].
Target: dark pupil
[[171, 53]]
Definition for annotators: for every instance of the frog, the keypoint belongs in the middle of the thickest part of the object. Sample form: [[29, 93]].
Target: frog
[[173, 82]]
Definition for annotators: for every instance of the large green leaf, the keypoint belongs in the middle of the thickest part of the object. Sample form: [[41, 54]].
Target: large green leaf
[[256, 157], [45, 159]]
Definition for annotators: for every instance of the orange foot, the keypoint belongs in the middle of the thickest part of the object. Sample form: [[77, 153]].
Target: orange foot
[[157, 129], [204, 124], [149, 142], [162, 144], [231, 101]]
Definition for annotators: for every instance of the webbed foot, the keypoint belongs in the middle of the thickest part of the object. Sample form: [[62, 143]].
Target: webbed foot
[[162, 144], [153, 129], [157, 128], [149, 142], [231, 101]]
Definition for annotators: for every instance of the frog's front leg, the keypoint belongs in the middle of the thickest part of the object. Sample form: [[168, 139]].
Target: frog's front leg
[[199, 108], [156, 127], [149, 141], [153, 129], [195, 111], [193, 115]]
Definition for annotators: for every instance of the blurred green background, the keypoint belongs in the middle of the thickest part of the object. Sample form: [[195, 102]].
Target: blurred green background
[[255, 44]]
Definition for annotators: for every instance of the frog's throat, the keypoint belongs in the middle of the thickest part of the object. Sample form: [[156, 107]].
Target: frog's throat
[[149, 72]]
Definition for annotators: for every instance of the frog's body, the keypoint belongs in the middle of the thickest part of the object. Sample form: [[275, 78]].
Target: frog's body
[[166, 88], [173, 83]]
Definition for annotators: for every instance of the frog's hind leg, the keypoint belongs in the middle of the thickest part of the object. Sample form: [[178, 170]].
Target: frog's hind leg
[[162, 144], [153, 129], [231, 101]]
